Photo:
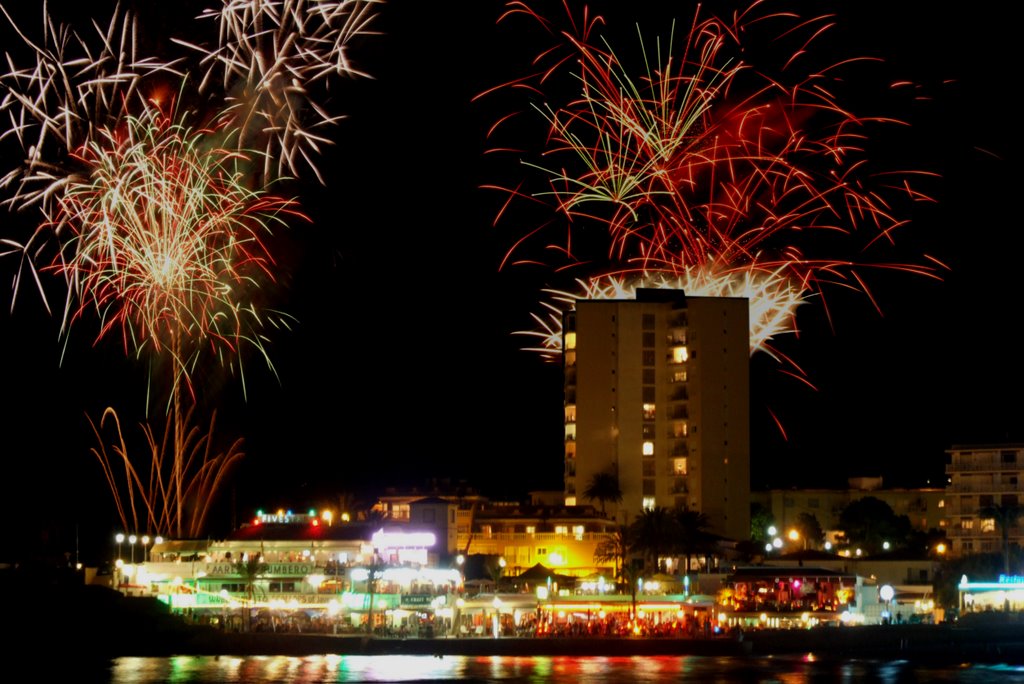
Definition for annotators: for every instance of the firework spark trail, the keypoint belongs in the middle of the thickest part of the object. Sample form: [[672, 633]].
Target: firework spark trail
[[166, 241], [76, 86], [709, 173], [268, 56]]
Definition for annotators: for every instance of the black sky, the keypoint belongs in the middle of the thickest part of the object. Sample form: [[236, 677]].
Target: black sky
[[402, 365]]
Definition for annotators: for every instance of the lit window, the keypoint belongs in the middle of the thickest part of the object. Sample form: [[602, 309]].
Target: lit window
[[679, 466], [679, 354], [531, 529], [570, 501], [577, 531], [570, 340], [648, 503], [988, 525], [648, 448], [561, 529], [679, 376], [648, 411], [942, 503]]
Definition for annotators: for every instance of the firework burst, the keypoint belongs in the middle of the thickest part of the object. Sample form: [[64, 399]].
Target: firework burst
[[75, 86], [269, 57], [166, 241], [707, 171]]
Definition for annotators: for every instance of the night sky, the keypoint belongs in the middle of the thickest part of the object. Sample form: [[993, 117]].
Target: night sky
[[402, 364]]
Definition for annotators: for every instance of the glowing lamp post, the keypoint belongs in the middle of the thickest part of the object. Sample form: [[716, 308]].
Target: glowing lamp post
[[131, 543], [887, 593], [145, 548], [119, 538]]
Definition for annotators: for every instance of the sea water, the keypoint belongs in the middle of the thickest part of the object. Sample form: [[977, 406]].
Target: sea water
[[535, 670]]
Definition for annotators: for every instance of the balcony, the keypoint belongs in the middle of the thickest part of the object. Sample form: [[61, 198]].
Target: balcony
[[966, 466], [984, 488]]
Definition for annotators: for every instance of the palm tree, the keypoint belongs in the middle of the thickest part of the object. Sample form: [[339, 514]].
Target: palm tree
[[654, 532], [374, 571], [1005, 516], [604, 487], [694, 535], [615, 548], [250, 568]]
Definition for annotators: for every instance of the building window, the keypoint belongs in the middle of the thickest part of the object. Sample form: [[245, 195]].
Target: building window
[[577, 531], [679, 376], [570, 501], [942, 503], [648, 448], [679, 355], [647, 394], [647, 321], [1008, 456], [988, 525], [647, 487], [648, 376], [679, 466], [561, 529], [648, 467], [570, 340], [967, 524], [648, 357], [647, 430], [531, 529], [649, 411], [648, 503], [648, 340]]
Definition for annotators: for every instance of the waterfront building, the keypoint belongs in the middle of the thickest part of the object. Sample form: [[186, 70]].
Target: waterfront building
[[657, 394], [925, 507], [985, 484]]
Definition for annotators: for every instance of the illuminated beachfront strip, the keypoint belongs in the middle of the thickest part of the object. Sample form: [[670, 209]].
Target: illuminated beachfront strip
[[1006, 593], [300, 573]]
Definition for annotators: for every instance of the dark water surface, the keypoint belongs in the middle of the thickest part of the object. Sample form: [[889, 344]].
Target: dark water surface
[[537, 669]]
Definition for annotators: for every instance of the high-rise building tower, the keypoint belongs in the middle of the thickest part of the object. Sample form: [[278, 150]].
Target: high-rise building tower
[[657, 392]]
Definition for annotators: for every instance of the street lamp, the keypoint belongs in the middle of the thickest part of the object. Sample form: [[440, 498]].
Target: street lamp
[[119, 538], [145, 548], [131, 541]]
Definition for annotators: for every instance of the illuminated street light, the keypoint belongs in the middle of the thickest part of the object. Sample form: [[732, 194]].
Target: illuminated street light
[[145, 548], [772, 531], [131, 541], [119, 538]]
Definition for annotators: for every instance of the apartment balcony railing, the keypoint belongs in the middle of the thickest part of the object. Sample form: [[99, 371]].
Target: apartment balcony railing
[[984, 488], [975, 533], [975, 466], [552, 537]]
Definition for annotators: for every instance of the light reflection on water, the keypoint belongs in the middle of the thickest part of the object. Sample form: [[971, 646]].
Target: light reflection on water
[[538, 669]]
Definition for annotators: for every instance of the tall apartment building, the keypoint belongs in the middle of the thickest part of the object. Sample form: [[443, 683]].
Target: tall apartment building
[[983, 476], [657, 390]]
